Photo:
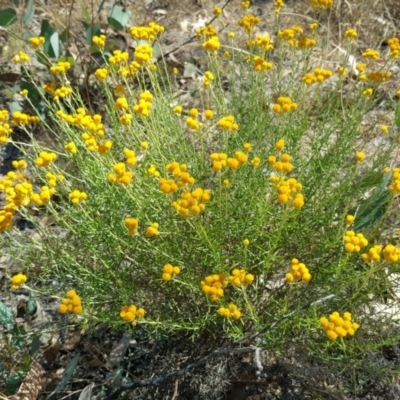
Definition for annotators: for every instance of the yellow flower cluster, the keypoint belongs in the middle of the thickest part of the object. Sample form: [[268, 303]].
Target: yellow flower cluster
[[394, 45], [353, 242], [248, 22], [119, 57], [373, 254], [120, 175], [379, 76], [169, 272], [53, 178], [391, 253], [394, 186], [144, 105], [152, 230], [336, 326], [71, 148], [180, 175], [360, 155], [208, 78], [132, 225], [350, 34], [322, 3], [287, 191], [372, 54], [239, 277], [101, 73], [291, 35], [77, 196], [261, 41], [282, 164], [71, 304], [20, 118], [192, 202], [143, 54], [206, 32], [152, 171], [284, 105], [131, 312], [260, 64], [20, 58], [5, 129], [245, 4], [298, 272], [99, 41], [213, 286], [36, 42], [228, 123], [305, 42], [230, 312], [18, 280], [43, 197], [45, 159], [319, 75], [62, 92], [221, 160], [148, 33], [217, 10], [212, 44], [61, 68]]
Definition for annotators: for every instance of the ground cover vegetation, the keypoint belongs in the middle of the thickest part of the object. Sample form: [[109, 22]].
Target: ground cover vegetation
[[263, 197]]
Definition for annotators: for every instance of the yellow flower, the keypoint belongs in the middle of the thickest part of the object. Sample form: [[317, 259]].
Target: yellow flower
[[152, 230], [212, 44], [18, 280], [36, 42], [360, 155], [178, 110], [45, 159], [246, 242], [21, 57], [132, 225], [384, 129], [350, 34], [77, 196], [217, 10], [350, 219], [208, 114], [99, 41]]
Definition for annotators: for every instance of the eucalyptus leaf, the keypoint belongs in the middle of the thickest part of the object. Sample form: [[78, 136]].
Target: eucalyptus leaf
[[29, 12], [31, 306], [35, 346], [6, 316], [68, 372], [15, 106], [121, 15], [13, 382], [115, 24], [55, 44], [92, 30], [8, 17]]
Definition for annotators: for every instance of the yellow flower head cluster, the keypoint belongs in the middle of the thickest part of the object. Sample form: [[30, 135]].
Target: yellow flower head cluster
[[284, 105], [394, 45], [192, 202], [21, 57], [290, 35], [336, 326], [101, 73], [53, 178], [213, 286], [373, 254], [206, 32], [379, 76], [261, 41], [371, 54], [319, 75], [130, 313], [228, 123], [169, 272], [391, 253], [394, 186], [144, 105], [120, 175], [350, 34], [350, 219], [143, 54], [212, 44], [71, 304], [62, 92], [353, 242], [298, 272], [148, 33], [18, 280], [5, 129], [77, 196], [217, 11], [119, 57], [132, 225], [322, 3], [152, 230], [282, 164], [36, 42], [45, 159], [180, 175], [360, 155], [70, 147], [230, 312], [248, 22], [99, 41], [221, 160], [20, 118], [239, 277], [44, 196], [84, 120], [61, 68], [208, 78], [260, 64], [288, 191], [305, 42], [152, 171], [245, 4]]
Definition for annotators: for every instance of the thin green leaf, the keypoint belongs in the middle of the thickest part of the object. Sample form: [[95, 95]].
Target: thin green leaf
[[373, 209], [68, 372], [55, 44], [397, 115], [29, 13], [6, 316], [8, 17], [86, 14]]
